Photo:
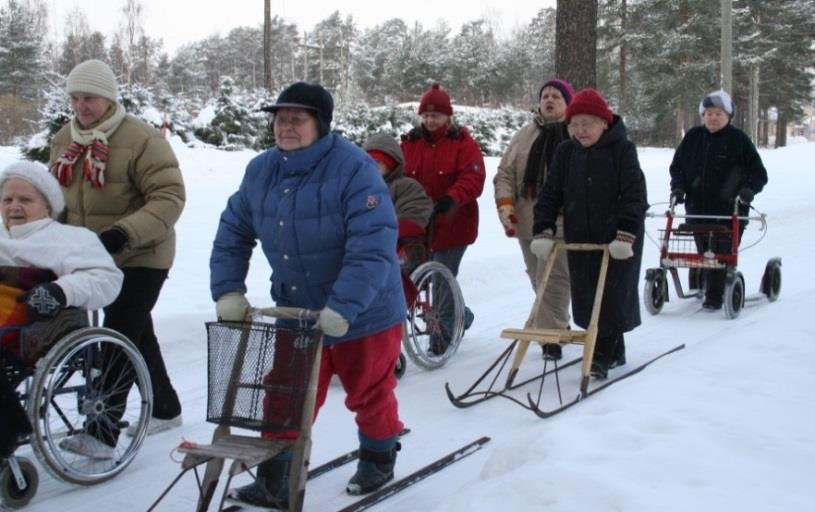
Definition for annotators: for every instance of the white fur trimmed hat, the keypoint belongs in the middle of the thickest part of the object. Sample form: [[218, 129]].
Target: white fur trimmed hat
[[717, 99], [38, 176], [94, 77]]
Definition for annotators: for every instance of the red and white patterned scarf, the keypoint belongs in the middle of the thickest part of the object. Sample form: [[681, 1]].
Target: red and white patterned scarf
[[93, 145]]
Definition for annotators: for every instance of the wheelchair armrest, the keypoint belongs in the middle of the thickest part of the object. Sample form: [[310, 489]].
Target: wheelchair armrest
[[38, 337]]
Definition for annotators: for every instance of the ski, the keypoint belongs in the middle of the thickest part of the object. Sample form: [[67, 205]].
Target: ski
[[343, 459], [396, 486], [604, 385]]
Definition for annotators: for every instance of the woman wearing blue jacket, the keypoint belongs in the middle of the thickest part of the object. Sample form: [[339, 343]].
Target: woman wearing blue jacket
[[327, 226]]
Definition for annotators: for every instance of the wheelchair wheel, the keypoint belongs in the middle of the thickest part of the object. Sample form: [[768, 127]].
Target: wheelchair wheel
[[435, 322], [734, 295], [11, 495], [656, 290], [72, 391]]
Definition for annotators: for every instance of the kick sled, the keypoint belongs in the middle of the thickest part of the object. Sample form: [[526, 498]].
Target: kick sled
[[502, 376], [261, 377]]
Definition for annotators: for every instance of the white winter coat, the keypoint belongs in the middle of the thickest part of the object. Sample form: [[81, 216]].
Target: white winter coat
[[85, 271]]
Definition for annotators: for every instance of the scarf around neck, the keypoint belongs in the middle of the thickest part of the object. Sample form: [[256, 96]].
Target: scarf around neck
[[540, 156], [93, 144]]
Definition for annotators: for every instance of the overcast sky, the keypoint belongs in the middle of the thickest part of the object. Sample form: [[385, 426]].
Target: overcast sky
[[181, 21]]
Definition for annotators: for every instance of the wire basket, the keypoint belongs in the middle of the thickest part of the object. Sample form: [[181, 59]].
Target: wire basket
[[258, 374], [696, 247]]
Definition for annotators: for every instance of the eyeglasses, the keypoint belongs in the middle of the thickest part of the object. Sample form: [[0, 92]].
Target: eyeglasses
[[293, 121], [583, 125]]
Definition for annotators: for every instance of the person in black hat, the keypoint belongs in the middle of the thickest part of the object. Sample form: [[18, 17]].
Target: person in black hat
[[715, 164], [324, 217]]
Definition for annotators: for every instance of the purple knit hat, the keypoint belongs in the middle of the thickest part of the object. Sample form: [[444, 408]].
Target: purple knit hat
[[562, 86]]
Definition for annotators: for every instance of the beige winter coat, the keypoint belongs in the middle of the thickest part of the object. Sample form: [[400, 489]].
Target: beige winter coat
[[143, 193], [509, 179]]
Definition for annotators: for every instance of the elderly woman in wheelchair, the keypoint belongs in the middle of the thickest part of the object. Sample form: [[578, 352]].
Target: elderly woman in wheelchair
[[51, 274]]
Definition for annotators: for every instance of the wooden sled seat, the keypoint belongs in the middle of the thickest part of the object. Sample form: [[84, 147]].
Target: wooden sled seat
[[560, 336], [246, 451]]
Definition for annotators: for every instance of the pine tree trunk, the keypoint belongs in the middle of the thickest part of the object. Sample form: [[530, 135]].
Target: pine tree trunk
[[623, 9], [752, 111], [781, 130], [576, 42], [267, 45]]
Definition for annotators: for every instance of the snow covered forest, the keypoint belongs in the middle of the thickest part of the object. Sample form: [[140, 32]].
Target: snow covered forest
[[655, 59]]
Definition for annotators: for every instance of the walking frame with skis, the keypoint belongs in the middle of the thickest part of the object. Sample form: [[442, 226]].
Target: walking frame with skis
[[243, 359], [500, 377]]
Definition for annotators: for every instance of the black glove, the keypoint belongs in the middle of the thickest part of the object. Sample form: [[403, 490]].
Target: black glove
[[114, 239], [444, 204], [43, 301], [746, 195], [677, 196]]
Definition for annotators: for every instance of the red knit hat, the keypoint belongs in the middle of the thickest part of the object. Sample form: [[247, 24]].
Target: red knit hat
[[381, 156], [436, 100], [589, 101]]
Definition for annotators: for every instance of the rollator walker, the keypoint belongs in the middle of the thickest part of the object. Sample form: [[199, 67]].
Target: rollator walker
[[679, 248]]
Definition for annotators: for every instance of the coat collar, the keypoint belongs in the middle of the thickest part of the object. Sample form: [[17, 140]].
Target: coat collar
[[303, 160], [27, 229]]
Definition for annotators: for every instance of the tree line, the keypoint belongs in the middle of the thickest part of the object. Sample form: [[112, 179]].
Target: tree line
[[655, 59]]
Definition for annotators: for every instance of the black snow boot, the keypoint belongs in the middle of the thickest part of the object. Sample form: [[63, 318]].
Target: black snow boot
[[271, 487], [375, 469], [714, 293], [599, 366], [619, 353], [552, 351], [603, 355], [609, 352]]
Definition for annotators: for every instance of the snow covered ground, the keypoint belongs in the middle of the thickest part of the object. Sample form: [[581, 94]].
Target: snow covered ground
[[725, 424]]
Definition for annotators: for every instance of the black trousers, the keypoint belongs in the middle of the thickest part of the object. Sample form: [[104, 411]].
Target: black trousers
[[130, 314], [15, 422], [715, 278]]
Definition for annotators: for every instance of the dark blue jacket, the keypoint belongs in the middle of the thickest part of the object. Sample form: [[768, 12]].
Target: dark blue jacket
[[328, 228], [713, 167]]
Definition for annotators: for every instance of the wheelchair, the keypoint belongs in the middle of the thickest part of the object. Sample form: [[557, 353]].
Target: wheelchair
[[435, 307], [65, 372]]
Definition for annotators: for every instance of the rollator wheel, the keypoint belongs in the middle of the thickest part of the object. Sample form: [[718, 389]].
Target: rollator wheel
[[771, 281], [401, 366], [656, 289], [10, 493], [734, 295]]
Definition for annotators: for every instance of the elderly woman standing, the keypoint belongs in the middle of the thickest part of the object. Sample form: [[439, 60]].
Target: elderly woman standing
[[447, 161], [121, 180], [327, 227], [56, 266], [520, 177], [714, 164], [597, 183]]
